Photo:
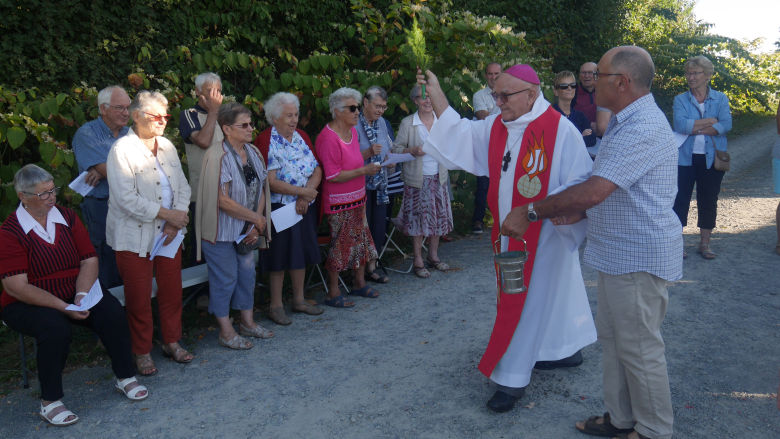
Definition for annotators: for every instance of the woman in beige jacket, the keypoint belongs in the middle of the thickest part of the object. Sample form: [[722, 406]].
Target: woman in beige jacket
[[425, 211], [149, 197]]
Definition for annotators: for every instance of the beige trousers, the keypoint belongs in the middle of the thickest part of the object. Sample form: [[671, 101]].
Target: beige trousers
[[631, 308]]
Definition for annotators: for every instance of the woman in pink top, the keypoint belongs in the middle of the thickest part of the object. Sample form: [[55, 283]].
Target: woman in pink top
[[344, 197]]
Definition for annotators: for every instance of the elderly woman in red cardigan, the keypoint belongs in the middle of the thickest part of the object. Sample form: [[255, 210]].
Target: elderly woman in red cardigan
[[48, 263]]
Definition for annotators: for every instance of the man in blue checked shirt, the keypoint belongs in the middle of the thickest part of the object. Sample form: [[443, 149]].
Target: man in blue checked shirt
[[91, 144], [634, 241]]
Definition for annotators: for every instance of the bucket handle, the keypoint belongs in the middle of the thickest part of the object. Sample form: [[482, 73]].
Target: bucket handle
[[497, 245]]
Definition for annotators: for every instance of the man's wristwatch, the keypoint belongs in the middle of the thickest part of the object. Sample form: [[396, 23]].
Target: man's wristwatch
[[532, 216]]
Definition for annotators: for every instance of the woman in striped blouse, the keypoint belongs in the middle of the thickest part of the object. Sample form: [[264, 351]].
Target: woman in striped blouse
[[233, 203]]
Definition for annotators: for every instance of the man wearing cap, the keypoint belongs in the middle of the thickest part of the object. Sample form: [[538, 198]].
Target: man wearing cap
[[528, 151]]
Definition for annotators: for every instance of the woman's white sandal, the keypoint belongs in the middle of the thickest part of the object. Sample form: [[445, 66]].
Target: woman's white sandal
[[59, 418], [132, 393]]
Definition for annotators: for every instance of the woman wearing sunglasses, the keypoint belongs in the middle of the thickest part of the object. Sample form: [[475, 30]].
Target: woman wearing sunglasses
[[344, 196], [564, 88], [148, 196], [232, 207]]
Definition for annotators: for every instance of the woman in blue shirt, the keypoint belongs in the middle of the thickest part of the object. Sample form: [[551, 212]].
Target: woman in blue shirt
[[704, 115]]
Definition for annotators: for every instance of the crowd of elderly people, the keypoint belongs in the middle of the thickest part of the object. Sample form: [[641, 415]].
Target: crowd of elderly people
[[142, 201]]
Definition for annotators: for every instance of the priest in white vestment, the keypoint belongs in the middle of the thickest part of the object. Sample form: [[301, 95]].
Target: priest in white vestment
[[555, 321]]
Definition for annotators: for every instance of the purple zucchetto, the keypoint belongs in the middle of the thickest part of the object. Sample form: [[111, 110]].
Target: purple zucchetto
[[524, 72]]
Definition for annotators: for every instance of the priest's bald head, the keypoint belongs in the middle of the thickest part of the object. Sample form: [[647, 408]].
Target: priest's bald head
[[516, 91]]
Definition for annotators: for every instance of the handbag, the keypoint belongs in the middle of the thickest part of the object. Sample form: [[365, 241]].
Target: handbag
[[722, 159], [243, 248]]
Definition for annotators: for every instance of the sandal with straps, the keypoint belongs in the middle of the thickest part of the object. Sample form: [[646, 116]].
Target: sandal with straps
[[593, 427], [373, 276], [237, 342], [366, 291], [339, 302], [177, 354], [705, 252], [132, 394], [59, 419], [439, 265], [145, 365], [421, 272], [257, 332]]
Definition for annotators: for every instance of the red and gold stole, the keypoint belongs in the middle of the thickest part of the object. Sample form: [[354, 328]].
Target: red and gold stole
[[531, 180]]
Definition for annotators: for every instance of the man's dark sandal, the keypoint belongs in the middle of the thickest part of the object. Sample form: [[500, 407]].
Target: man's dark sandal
[[605, 429]]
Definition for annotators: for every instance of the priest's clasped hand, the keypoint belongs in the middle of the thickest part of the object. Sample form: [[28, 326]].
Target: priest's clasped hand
[[516, 223]]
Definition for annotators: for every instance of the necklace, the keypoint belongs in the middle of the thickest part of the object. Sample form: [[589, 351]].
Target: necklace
[[508, 156], [338, 133]]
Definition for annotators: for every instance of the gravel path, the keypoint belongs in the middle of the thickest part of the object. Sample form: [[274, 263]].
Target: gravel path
[[404, 365]]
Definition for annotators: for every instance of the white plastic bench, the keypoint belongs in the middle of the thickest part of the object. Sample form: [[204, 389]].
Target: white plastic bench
[[190, 276]]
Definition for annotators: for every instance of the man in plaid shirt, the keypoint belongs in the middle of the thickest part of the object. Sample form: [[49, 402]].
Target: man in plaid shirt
[[634, 241]]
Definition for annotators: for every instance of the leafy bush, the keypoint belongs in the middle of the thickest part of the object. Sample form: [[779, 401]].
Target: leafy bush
[[258, 48]]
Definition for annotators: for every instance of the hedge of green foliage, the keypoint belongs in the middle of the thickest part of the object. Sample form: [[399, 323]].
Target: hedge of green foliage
[[58, 55], [258, 48]]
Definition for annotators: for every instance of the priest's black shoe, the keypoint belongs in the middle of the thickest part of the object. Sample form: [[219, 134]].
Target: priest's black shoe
[[573, 361], [503, 402]]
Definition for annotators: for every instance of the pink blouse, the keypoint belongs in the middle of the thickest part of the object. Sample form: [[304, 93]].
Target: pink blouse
[[336, 156]]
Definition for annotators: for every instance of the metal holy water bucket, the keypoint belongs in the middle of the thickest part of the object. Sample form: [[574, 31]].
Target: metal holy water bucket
[[510, 267]]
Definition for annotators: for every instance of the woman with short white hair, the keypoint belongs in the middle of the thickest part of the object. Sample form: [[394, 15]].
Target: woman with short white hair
[[148, 196], [294, 176]]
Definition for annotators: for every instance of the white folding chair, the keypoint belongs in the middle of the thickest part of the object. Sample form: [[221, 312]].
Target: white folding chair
[[395, 226], [323, 241]]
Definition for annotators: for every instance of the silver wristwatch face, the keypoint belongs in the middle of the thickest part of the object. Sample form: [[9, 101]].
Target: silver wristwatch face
[[532, 216]]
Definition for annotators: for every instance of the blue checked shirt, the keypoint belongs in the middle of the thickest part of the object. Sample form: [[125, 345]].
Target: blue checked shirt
[[635, 228], [91, 145]]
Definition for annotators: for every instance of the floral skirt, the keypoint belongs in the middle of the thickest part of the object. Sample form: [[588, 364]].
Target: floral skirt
[[426, 211], [351, 245]]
